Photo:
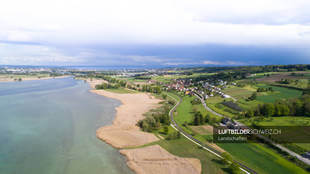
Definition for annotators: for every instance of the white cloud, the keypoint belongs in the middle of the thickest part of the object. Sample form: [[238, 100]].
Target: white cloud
[[63, 24], [155, 22], [209, 62], [229, 62]]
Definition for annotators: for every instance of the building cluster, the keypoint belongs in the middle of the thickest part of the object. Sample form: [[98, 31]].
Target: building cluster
[[182, 85], [205, 89], [211, 90]]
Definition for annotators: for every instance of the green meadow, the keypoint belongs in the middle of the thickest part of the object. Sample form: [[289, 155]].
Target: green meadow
[[261, 158], [282, 121], [184, 112], [278, 94]]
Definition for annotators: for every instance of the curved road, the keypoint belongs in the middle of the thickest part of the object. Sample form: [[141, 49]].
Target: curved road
[[199, 143]]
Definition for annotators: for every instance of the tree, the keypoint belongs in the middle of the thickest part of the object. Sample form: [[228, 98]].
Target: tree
[[267, 109], [207, 118], [307, 108], [166, 130], [235, 168], [278, 109], [307, 91], [253, 96], [226, 158], [164, 96], [285, 110], [198, 118], [178, 135], [201, 119], [297, 107], [249, 114]]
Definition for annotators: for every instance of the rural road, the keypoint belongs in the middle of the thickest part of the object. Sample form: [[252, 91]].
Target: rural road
[[301, 158], [197, 142]]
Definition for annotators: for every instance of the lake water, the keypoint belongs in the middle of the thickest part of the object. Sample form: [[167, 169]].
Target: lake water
[[49, 127]]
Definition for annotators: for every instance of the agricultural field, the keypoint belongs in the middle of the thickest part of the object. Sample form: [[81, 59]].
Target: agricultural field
[[168, 78], [203, 130], [275, 77], [184, 148], [295, 79], [215, 103], [300, 83], [278, 121], [246, 105], [239, 92], [277, 94], [281, 121], [261, 158]]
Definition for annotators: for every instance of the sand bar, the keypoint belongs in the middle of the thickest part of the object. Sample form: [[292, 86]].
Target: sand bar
[[155, 159], [124, 132]]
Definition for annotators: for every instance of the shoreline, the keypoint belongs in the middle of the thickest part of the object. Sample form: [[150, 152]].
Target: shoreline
[[31, 78], [124, 133]]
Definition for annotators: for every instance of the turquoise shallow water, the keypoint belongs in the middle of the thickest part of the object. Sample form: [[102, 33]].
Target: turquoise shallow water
[[49, 127]]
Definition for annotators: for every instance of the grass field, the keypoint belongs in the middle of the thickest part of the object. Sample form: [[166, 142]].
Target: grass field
[[121, 91], [215, 104], [279, 93], [246, 105], [184, 112], [260, 158], [282, 121], [279, 121]]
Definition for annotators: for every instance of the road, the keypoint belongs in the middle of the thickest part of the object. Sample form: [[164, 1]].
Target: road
[[301, 158], [199, 143]]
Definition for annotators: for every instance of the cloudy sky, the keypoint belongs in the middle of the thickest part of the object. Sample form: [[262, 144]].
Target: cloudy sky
[[154, 32]]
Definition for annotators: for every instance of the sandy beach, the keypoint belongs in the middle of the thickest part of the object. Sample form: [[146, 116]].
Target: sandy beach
[[124, 133]]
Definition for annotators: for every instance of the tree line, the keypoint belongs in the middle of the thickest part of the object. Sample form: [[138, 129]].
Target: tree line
[[265, 89], [114, 83], [292, 107], [199, 119]]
